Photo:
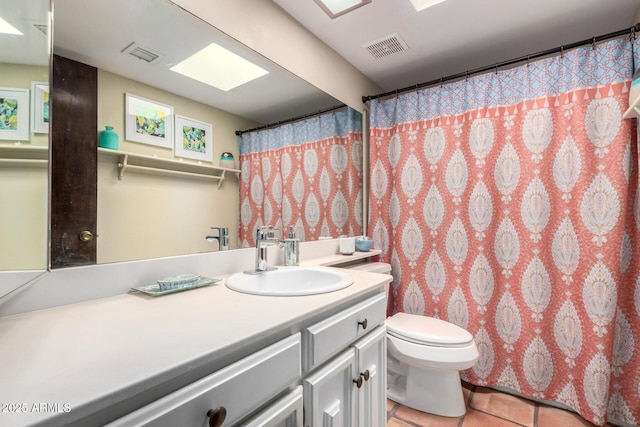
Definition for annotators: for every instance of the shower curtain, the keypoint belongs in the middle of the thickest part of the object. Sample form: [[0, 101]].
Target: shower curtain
[[507, 203], [306, 174]]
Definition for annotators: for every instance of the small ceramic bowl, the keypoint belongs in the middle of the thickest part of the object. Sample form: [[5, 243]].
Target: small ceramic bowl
[[364, 244]]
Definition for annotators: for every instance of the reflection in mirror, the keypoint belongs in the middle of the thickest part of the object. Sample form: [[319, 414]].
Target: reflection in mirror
[[305, 177], [24, 140], [147, 211]]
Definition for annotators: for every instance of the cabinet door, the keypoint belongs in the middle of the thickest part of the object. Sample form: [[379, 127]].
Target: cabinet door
[[286, 412], [371, 361], [329, 393]]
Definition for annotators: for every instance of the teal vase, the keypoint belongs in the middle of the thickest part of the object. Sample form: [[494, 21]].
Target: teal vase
[[109, 138], [227, 161]]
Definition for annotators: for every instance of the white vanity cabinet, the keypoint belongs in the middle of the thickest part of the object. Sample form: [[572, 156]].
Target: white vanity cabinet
[[227, 396], [264, 360], [286, 412], [350, 388], [371, 357]]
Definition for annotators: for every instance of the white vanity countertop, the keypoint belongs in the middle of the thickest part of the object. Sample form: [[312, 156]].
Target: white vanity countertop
[[96, 355]]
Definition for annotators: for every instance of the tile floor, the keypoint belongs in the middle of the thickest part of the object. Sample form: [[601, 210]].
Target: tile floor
[[488, 408]]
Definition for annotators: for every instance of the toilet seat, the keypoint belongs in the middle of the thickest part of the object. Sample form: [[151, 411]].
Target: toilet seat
[[427, 331]]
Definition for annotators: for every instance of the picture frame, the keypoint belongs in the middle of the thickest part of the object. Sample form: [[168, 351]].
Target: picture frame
[[14, 114], [39, 107], [148, 122], [193, 139]]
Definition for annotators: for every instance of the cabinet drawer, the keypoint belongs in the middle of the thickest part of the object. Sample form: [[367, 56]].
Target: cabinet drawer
[[286, 412], [240, 388], [328, 337]]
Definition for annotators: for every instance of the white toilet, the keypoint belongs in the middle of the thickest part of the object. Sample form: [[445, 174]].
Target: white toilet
[[424, 359]]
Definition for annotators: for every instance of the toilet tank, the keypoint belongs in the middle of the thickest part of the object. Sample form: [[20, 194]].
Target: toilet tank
[[374, 267]]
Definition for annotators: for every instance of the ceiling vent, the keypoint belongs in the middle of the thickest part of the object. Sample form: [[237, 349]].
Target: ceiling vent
[[387, 45], [43, 28], [141, 52]]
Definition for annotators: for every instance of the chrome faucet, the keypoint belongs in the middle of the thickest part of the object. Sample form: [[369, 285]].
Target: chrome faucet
[[265, 237], [222, 238]]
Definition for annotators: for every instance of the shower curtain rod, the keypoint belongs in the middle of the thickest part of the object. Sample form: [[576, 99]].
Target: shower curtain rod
[[631, 31], [304, 116]]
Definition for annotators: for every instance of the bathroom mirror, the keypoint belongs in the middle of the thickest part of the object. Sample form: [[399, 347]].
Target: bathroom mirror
[[24, 140], [147, 210]]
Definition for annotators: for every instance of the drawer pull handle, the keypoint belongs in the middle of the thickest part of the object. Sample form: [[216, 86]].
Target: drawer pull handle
[[216, 416], [358, 382], [365, 375], [363, 323]]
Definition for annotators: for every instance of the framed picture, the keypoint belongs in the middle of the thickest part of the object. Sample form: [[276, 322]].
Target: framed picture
[[194, 139], [149, 122], [14, 114], [40, 107]]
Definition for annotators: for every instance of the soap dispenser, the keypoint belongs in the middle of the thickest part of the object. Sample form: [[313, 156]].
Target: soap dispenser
[[291, 249]]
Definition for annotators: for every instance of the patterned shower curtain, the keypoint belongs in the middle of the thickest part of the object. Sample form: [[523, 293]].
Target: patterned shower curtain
[[507, 203], [306, 174]]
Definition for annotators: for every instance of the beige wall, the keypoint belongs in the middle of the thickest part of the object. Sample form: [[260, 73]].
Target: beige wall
[[264, 27], [147, 215], [23, 190], [23, 217]]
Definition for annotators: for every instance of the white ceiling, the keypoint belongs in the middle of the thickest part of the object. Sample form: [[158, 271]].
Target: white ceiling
[[449, 38], [458, 35], [96, 32], [31, 19]]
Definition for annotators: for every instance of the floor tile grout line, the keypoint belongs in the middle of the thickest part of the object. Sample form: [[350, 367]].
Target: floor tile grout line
[[468, 405], [499, 417]]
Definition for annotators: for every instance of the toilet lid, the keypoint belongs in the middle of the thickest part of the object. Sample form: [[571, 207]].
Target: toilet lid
[[427, 330]]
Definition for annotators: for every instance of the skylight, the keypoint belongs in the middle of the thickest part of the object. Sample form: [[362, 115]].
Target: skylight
[[219, 67], [6, 28], [423, 4], [335, 8]]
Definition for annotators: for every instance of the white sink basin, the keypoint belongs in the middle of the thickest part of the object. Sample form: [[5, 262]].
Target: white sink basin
[[290, 281]]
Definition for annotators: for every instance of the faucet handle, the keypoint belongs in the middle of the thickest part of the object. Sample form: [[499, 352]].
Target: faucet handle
[[222, 231], [222, 237], [265, 232]]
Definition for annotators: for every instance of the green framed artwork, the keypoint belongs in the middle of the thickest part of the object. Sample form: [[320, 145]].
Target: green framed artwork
[[14, 114], [148, 122], [40, 107], [193, 139]]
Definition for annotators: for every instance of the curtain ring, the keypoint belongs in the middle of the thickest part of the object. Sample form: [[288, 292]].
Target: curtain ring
[[466, 75], [441, 82], [593, 43], [528, 58], [632, 33], [561, 51], [496, 65]]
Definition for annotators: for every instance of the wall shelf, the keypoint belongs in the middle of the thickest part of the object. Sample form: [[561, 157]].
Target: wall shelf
[[158, 165], [23, 155], [339, 260]]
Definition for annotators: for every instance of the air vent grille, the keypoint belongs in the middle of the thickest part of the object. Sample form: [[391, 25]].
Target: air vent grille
[[141, 52], [43, 28], [386, 46]]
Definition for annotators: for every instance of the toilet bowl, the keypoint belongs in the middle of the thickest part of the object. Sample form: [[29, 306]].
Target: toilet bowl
[[424, 359]]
